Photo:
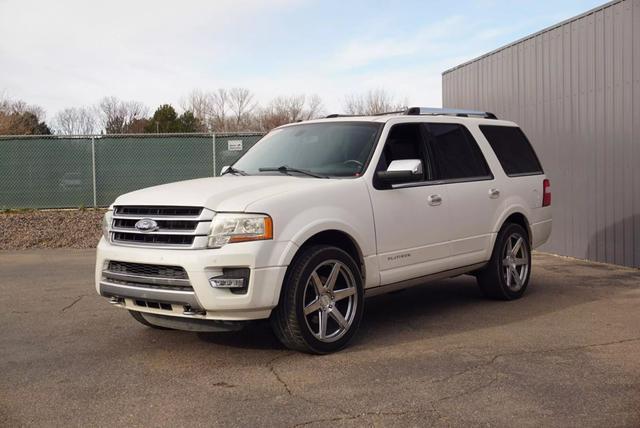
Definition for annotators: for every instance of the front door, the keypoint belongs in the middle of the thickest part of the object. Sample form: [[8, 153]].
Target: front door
[[412, 219]]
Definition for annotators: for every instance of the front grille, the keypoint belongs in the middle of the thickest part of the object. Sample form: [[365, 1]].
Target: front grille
[[162, 271], [127, 223], [145, 275], [153, 239], [147, 211], [177, 227]]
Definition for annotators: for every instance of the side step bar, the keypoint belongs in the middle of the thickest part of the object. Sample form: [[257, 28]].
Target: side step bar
[[387, 288]]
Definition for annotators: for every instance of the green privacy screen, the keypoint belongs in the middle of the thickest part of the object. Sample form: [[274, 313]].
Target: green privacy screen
[[69, 172]]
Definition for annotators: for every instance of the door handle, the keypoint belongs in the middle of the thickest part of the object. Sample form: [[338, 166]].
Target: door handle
[[434, 200], [494, 193]]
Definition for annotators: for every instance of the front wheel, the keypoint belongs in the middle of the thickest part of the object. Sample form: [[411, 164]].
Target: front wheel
[[507, 275], [321, 302]]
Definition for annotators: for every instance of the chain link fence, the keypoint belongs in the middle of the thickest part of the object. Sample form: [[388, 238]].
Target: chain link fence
[[91, 171]]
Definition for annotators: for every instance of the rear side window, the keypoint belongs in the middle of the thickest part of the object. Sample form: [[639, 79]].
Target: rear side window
[[456, 154], [512, 149]]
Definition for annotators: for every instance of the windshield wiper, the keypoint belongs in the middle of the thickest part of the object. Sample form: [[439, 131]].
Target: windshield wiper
[[232, 170], [286, 170]]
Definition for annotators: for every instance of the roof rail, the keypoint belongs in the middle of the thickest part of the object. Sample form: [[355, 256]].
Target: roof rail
[[448, 112], [334, 115], [418, 111]]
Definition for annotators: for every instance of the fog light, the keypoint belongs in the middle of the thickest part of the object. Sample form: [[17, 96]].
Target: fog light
[[235, 279], [222, 282]]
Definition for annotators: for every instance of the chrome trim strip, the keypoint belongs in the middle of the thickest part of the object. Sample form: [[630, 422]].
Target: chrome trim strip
[[157, 232], [160, 217], [199, 243], [108, 289], [142, 279], [388, 288], [202, 228], [205, 215]]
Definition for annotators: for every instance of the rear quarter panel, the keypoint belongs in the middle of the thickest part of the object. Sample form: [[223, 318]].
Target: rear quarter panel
[[518, 194]]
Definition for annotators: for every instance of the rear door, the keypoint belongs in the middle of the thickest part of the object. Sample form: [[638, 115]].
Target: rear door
[[473, 194]]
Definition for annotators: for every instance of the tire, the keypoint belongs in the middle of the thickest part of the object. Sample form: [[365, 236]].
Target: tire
[[325, 283], [142, 320], [507, 275]]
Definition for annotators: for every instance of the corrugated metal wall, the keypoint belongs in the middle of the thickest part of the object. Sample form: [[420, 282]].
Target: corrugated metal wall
[[575, 90]]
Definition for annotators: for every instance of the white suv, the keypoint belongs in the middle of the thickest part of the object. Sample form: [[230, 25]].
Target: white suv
[[319, 215]]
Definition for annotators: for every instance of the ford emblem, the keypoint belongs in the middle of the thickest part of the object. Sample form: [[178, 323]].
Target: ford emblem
[[147, 225]]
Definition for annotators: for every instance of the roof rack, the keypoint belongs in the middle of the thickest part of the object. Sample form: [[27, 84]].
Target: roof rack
[[334, 115], [418, 111]]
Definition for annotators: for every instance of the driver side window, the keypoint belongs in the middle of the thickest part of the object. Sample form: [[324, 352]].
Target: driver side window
[[405, 141]]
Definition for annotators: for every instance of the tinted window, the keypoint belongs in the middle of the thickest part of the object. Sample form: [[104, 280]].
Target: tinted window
[[403, 142], [455, 153], [512, 149]]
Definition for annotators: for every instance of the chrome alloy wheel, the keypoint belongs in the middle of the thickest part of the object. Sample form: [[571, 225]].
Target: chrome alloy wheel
[[515, 262], [330, 300]]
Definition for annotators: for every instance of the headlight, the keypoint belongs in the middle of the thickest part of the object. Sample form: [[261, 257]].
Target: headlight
[[228, 228], [106, 224]]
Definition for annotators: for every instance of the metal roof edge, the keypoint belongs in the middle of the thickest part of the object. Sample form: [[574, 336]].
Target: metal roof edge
[[537, 33]]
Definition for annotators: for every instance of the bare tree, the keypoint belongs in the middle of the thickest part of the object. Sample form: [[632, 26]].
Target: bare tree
[[117, 116], [9, 106], [287, 109], [75, 121], [315, 107], [375, 101], [19, 118], [200, 103], [272, 115], [241, 105], [294, 106], [219, 109]]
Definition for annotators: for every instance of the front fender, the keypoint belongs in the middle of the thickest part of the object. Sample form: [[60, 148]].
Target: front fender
[[316, 226]]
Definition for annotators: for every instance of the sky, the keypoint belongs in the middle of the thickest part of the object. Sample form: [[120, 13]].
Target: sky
[[65, 53]]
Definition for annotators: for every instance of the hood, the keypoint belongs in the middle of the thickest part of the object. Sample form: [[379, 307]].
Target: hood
[[227, 193]]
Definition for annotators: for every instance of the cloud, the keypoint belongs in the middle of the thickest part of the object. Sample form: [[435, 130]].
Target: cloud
[[364, 51], [73, 52], [68, 53]]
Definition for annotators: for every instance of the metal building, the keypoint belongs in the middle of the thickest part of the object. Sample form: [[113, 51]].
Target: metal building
[[574, 88]]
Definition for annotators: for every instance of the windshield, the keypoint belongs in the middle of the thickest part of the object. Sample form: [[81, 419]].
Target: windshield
[[329, 149]]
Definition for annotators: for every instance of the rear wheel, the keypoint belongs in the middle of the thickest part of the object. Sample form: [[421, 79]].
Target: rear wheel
[[507, 275], [321, 303], [142, 320]]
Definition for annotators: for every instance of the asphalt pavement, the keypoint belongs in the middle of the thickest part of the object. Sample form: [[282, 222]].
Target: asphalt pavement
[[567, 354]]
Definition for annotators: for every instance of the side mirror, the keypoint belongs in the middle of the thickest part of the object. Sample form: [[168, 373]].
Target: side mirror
[[224, 169], [402, 171]]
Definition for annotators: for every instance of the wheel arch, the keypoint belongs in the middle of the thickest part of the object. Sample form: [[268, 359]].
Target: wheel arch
[[519, 219], [517, 216], [336, 238]]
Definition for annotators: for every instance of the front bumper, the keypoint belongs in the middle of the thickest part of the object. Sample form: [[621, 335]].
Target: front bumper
[[262, 295]]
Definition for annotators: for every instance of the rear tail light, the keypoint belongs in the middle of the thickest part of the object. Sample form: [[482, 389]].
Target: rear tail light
[[546, 193]]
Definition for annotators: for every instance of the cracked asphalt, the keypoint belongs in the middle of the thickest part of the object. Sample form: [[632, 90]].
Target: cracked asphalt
[[567, 354]]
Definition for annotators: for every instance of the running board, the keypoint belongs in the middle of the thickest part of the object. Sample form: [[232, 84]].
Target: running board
[[383, 289]]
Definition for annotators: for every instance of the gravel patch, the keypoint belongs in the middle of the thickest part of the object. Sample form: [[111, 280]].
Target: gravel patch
[[21, 230]]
